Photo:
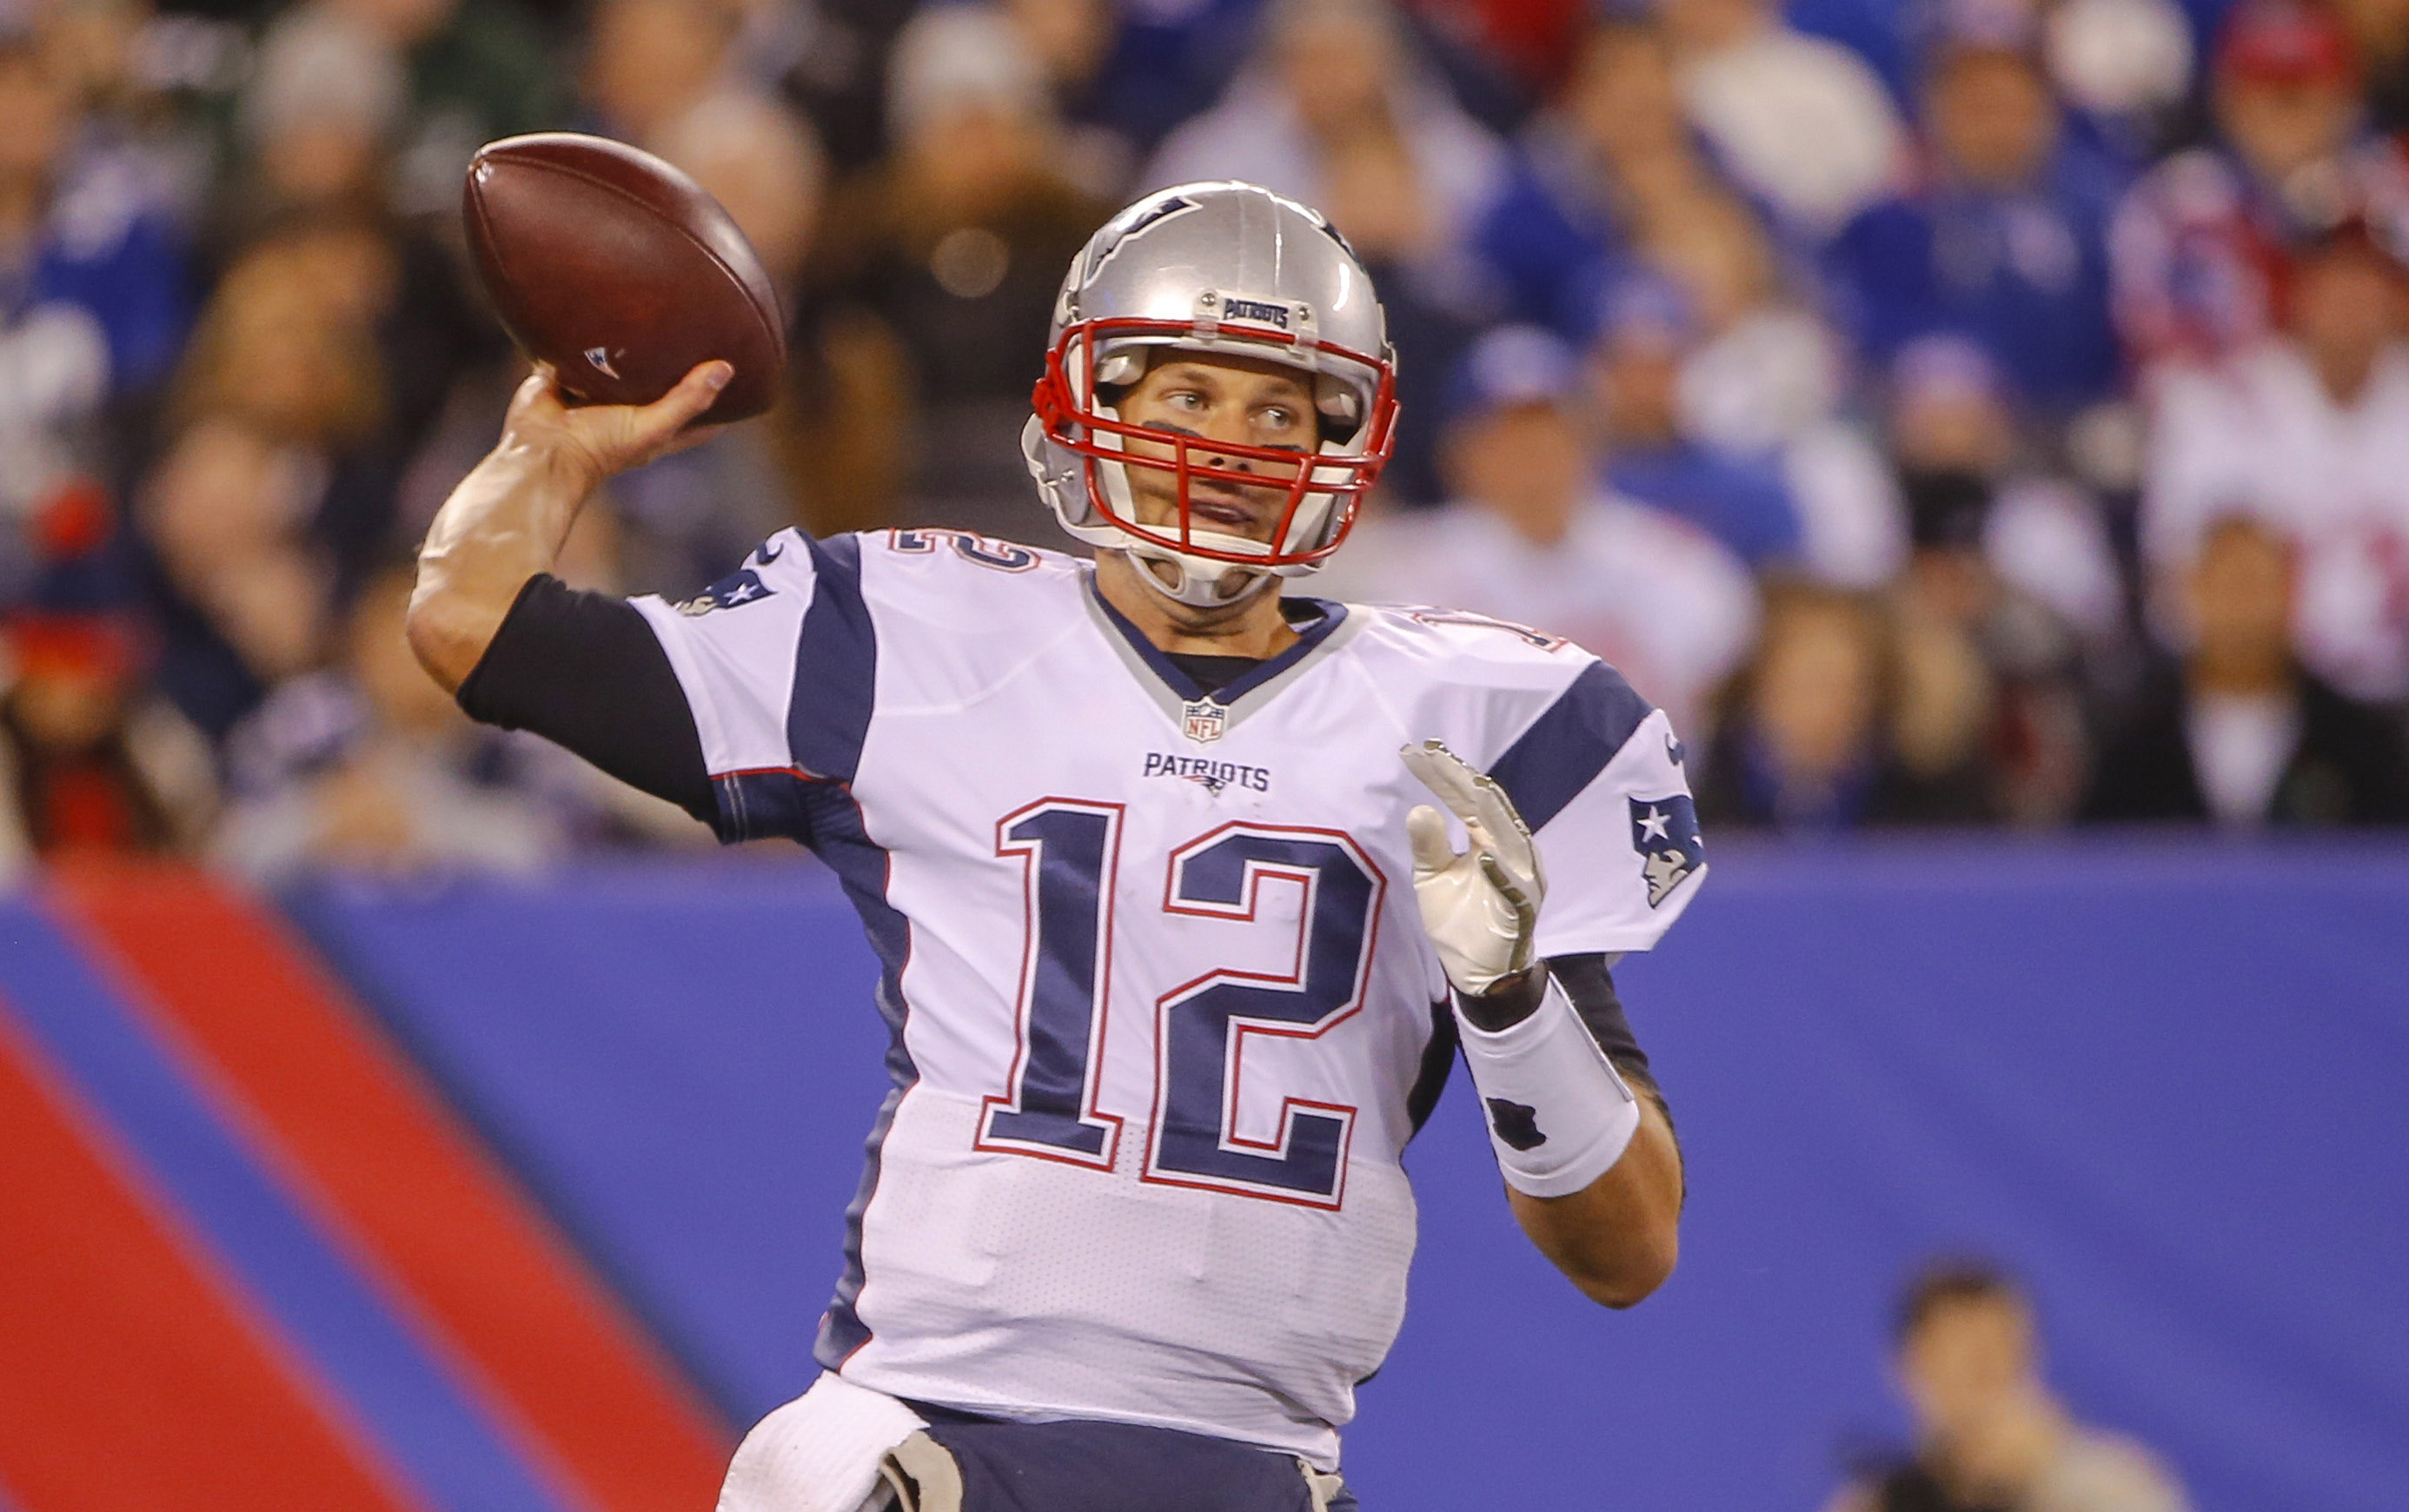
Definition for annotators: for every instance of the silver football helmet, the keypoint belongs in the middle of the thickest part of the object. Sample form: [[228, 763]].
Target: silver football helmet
[[1221, 268]]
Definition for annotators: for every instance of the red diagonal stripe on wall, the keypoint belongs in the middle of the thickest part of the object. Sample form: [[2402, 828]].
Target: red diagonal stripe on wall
[[440, 1220], [130, 1379]]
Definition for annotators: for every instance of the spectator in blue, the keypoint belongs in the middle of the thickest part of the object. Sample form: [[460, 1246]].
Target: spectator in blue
[[1590, 174], [106, 260], [1136, 71], [2004, 238], [92, 312], [1645, 328]]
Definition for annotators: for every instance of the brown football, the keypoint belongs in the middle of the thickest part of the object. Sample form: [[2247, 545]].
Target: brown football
[[620, 271]]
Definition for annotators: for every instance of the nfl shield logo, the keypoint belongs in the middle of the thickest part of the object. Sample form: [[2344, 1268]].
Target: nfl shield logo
[[1204, 721]]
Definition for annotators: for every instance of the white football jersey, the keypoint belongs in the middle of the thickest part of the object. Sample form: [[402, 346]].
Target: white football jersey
[[1163, 1010]]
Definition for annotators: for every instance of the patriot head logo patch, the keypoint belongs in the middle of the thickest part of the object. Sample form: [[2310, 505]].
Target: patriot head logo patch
[[1664, 832], [737, 588]]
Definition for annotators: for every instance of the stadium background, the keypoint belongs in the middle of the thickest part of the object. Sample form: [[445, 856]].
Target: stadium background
[[1987, 417]]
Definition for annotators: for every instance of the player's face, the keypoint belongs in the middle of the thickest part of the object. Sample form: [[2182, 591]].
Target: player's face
[[1245, 400]]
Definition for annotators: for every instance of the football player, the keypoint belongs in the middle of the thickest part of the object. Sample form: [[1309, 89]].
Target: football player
[[1179, 949]]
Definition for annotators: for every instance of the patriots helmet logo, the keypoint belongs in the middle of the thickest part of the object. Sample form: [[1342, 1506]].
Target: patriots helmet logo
[[1161, 209], [1664, 832]]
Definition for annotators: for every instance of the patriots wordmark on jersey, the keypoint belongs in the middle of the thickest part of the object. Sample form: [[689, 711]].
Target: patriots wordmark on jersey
[[1162, 1001]]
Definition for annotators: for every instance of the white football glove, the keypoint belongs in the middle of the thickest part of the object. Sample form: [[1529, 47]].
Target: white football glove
[[1481, 907]]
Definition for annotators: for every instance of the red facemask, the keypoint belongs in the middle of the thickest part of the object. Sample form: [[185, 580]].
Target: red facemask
[[1066, 409]]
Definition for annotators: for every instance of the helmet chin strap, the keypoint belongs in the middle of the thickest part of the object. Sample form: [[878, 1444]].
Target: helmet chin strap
[[1193, 581]]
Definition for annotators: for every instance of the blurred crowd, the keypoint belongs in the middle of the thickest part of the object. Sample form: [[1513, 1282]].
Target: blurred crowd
[[1955, 411]]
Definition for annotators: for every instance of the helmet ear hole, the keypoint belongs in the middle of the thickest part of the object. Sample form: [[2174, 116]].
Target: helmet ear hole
[[1340, 407]]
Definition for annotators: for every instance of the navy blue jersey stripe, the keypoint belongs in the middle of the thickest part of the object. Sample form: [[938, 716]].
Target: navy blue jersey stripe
[[861, 864], [824, 814], [836, 666], [1567, 746], [828, 720]]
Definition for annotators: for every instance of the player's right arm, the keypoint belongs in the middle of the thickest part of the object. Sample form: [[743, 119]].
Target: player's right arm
[[506, 521]]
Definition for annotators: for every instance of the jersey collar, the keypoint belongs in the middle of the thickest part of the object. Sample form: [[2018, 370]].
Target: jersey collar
[[1322, 627]]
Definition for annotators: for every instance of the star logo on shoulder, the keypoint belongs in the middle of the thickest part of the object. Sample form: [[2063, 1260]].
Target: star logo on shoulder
[[733, 591]]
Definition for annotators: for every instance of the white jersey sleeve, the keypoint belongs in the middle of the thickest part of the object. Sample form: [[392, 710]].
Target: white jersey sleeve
[[777, 660], [1597, 774], [1595, 769]]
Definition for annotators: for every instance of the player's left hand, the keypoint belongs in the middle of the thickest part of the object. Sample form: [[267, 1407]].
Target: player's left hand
[[1481, 905]]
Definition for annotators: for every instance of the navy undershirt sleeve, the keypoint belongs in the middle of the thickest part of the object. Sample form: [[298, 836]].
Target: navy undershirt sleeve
[[585, 671], [1591, 987]]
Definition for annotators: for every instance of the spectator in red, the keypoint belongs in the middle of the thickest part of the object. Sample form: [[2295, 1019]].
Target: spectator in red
[[2203, 244], [2307, 430], [98, 766], [1534, 40]]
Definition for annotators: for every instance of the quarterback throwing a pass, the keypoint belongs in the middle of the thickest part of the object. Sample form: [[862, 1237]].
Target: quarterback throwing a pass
[[1179, 939]]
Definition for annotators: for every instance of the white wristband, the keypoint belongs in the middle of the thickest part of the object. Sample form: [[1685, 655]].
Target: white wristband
[[1559, 1117]]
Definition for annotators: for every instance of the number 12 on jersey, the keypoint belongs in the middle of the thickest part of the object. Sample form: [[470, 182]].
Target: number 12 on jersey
[[1071, 851]]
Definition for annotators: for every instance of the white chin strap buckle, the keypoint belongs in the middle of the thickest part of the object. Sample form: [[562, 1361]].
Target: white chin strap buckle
[[1198, 583]]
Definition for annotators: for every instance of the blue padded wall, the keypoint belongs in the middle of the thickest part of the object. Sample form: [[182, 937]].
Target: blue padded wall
[[2168, 1083]]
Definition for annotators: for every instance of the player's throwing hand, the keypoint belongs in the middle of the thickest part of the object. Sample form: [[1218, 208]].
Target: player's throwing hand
[[599, 440], [1480, 906]]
